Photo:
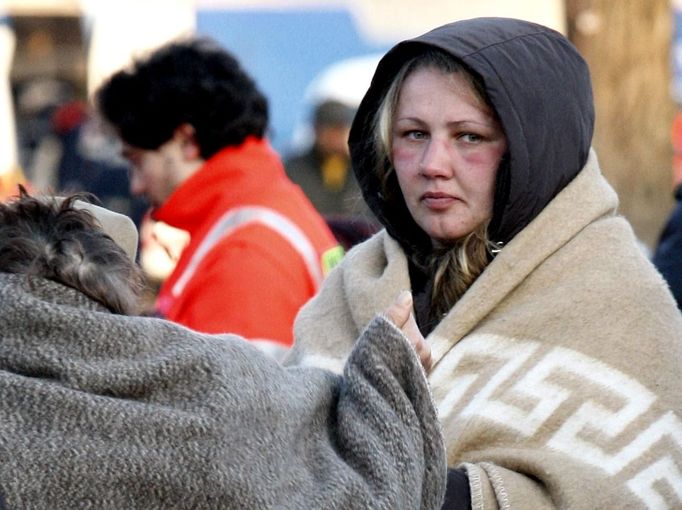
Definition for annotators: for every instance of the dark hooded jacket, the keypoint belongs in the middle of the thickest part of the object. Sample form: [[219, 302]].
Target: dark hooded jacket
[[540, 88], [668, 254], [557, 368]]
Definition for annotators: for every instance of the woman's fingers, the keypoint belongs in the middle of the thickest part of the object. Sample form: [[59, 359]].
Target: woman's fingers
[[400, 312], [417, 340]]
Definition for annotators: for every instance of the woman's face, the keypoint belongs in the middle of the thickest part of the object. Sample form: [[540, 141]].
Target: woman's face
[[446, 147]]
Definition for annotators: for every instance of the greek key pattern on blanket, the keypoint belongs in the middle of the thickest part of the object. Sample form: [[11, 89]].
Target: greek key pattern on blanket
[[519, 385]]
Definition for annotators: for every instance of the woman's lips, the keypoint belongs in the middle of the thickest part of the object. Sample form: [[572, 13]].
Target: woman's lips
[[438, 201]]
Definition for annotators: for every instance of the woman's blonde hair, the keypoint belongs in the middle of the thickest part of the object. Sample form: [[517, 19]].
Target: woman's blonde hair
[[456, 266]]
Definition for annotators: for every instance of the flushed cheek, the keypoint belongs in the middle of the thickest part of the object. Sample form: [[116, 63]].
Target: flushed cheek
[[404, 160], [482, 159], [406, 163]]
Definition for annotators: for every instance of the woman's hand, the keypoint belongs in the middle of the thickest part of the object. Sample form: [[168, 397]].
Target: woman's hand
[[400, 313]]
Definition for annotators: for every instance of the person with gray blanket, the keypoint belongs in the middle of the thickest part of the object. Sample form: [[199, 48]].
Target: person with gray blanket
[[104, 409]]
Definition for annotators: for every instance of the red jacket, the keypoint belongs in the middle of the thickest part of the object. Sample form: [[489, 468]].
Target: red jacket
[[258, 248]]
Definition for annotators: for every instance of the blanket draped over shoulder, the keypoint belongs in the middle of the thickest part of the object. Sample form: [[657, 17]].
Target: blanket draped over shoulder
[[556, 375], [106, 411]]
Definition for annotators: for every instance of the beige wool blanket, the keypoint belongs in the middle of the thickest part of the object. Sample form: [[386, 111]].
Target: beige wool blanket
[[111, 412], [557, 375]]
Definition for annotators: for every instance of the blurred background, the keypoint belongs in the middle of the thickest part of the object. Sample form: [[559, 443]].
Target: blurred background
[[53, 54]]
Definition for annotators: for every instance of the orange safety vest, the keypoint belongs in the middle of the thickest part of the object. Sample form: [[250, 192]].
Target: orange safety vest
[[258, 249]]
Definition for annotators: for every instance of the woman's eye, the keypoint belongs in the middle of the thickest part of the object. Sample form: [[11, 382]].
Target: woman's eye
[[415, 135], [470, 137]]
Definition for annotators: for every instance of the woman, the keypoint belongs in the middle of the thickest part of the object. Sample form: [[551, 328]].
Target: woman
[[101, 409], [555, 343]]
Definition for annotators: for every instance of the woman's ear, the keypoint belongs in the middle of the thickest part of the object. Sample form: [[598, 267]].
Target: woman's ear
[[189, 147]]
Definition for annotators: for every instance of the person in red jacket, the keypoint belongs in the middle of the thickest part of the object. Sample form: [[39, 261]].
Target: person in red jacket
[[192, 124]]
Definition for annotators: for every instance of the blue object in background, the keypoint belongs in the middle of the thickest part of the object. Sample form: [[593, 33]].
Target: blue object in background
[[283, 51]]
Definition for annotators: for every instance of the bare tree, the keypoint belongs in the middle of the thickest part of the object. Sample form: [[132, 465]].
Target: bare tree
[[627, 45]]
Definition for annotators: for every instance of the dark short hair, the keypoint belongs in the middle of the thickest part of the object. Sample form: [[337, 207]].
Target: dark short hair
[[192, 81], [50, 238]]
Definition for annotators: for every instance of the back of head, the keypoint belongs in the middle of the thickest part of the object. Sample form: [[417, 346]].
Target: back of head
[[331, 112], [61, 240], [193, 81], [331, 121]]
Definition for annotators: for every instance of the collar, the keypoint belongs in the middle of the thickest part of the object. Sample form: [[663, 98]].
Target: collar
[[224, 181]]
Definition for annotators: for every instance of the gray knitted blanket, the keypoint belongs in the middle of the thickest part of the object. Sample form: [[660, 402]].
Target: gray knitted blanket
[[104, 411]]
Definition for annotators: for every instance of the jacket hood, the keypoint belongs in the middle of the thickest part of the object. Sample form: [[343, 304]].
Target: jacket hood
[[540, 88]]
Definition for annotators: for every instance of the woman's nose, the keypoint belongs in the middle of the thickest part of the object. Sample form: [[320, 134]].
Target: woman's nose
[[436, 159]]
